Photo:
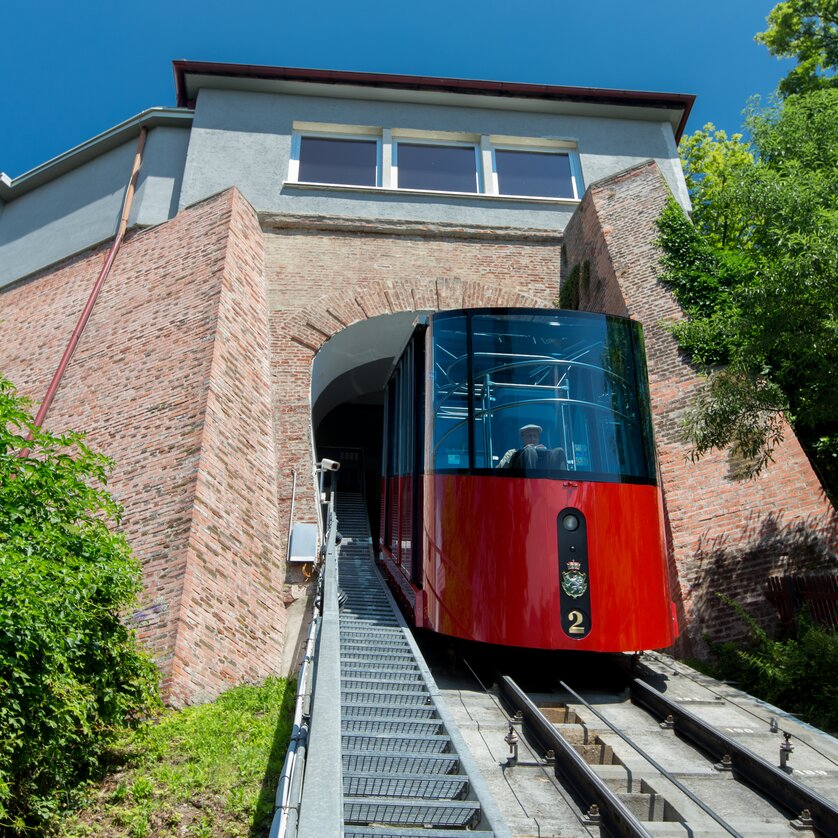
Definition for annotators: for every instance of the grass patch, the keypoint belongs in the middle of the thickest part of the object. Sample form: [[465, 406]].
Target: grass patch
[[203, 771]]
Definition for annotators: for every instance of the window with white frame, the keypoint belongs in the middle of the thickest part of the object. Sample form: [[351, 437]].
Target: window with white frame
[[338, 160], [543, 174], [335, 155], [439, 166], [526, 168]]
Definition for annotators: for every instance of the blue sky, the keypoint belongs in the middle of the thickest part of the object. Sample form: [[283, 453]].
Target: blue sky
[[70, 69]]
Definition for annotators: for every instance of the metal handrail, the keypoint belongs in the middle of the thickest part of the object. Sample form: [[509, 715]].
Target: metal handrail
[[309, 753], [500, 408], [528, 361], [321, 803], [287, 802]]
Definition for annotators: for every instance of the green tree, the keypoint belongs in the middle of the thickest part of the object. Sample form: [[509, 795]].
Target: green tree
[[71, 673], [756, 275], [713, 166], [808, 31]]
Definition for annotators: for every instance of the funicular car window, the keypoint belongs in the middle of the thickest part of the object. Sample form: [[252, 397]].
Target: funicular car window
[[450, 403], [552, 394]]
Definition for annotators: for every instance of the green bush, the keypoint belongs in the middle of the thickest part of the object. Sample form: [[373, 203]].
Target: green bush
[[71, 673], [798, 673]]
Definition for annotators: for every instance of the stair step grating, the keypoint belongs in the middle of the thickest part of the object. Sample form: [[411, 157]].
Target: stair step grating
[[399, 762], [389, 711], [399, 676], [357, 655], [385, 697], [400, 776], [446, 813], [410, 832], [418, 743], [371, 683], [434, 787], [390, 725]]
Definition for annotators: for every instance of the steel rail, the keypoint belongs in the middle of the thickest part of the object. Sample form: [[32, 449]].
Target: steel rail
[[616, 819], [749, 768], [655, 764]]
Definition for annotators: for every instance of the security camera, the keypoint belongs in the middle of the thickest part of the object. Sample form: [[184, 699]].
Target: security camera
[[329, 465]]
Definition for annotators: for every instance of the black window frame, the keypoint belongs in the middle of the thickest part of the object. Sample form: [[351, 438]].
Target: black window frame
[[403, 442]]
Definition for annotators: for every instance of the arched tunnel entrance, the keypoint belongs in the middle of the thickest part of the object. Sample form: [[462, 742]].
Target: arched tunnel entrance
[[347, 401]]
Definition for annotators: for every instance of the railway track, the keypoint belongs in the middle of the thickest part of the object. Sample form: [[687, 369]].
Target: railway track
[[633, 762]]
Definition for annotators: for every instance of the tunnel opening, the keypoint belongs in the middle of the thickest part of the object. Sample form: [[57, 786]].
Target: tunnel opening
[[349, 374], [352, 435]]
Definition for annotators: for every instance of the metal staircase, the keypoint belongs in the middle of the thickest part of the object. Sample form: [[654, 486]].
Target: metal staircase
[[406, 771]]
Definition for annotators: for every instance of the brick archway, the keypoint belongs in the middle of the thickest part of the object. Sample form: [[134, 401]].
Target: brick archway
[[298, 337], [313, 326]]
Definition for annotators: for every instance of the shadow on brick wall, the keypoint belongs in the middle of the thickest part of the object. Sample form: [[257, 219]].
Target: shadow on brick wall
[[769, 545], [675, 582]]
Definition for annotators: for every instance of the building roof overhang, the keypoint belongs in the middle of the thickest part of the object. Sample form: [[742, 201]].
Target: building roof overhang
[[96, 146], [191, 76]]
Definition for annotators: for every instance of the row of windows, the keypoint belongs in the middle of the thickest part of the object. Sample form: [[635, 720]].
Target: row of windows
[[435, 165]]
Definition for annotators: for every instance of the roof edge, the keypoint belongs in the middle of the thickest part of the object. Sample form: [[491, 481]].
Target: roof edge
[[11, 188], [671, 101]]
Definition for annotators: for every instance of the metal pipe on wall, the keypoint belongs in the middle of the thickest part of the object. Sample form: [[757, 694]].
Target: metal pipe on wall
[[94, 294], [291, 515]]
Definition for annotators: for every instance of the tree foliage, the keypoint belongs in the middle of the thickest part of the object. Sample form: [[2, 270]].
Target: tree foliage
[[808, 31], [713, 165], [757, 275], [70, 670]]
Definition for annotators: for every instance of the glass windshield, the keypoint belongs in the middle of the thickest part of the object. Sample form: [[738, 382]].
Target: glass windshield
[[541, 393]]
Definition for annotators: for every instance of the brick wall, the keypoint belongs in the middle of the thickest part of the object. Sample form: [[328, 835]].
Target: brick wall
[[726, 535], [171, 380], [192, 365], [232, 615]]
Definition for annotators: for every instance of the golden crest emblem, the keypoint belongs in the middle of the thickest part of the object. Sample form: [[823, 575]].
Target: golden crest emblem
[[574, 580]]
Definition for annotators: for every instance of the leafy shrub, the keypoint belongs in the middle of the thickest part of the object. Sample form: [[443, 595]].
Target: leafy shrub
[[70, 671], [798, 673]]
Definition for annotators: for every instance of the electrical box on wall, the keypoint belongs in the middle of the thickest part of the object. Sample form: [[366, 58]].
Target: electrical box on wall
[[303, 544]]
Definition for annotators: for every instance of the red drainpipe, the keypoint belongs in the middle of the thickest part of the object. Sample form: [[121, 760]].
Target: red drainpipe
[[94, 294]]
